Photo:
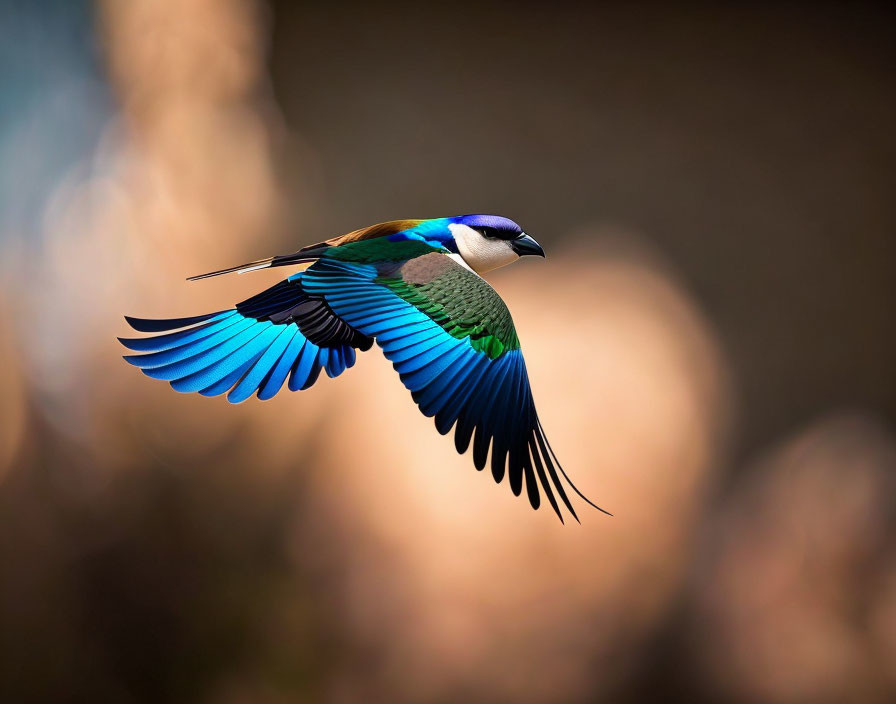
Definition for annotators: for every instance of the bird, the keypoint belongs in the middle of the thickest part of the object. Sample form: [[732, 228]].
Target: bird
[[413, 287]]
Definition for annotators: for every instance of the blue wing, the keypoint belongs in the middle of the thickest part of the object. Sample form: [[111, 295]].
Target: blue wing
[[488, 399], [252, 349]]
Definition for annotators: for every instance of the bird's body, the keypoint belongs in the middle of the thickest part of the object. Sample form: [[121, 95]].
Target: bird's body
[[413, 287]]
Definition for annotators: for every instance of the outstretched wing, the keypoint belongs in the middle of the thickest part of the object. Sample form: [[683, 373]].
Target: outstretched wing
[[452, 341], [252, 349], [283, 331]]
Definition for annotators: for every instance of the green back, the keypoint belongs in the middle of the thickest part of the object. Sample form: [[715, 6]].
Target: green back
[[381, 249]]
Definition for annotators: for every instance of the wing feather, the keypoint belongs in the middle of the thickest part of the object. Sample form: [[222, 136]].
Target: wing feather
[[453, 344], [278, 334]]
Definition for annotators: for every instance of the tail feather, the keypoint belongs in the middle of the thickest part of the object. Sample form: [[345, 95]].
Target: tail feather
[[313, 252], [302, 257], [241, 269]]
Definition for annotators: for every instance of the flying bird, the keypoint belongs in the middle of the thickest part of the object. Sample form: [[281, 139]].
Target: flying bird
[[414, 288]]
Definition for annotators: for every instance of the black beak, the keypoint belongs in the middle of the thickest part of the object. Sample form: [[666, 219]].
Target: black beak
[[524, 245]]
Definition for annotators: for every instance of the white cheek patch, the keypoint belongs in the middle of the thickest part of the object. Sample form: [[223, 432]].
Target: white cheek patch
[[481, 253]]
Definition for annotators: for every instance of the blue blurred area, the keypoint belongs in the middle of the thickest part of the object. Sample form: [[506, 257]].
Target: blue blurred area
[[54, 104]]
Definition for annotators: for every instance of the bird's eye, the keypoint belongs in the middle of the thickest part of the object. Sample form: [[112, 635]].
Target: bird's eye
[[488, 233]]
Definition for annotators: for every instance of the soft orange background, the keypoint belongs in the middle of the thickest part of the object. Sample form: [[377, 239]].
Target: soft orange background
[[710, 343]]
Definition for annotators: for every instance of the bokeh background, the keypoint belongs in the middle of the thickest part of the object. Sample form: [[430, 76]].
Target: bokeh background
[[711, 342]]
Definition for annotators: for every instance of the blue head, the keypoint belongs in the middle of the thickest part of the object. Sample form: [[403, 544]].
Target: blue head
[[484, 242]]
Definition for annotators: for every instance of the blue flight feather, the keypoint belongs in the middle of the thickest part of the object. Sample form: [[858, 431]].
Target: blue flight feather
[[255, 376], [221, 368], [190, 349], [303, 367], [202, 360], [427, 356], [403, 358], [176, 339], [222, 385], [278, 374], [388, 336]]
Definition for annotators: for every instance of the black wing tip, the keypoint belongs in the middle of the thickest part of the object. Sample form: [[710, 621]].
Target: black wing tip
[[166, 324], [566, 477], [560, 515], [462, 448], [517, 492], [580, 494], [140, 324], [572, 512]]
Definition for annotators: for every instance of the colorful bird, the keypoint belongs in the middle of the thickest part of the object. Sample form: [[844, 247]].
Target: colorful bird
[[414, 288]]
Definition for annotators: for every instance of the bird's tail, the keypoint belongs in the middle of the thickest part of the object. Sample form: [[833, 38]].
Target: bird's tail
[[313, 252], [303, 256]]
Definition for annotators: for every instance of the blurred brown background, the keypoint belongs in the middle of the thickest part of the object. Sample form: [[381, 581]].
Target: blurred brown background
[[711, 343]]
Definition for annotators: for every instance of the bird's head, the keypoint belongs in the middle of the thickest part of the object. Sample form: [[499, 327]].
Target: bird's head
[[486, 242]]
